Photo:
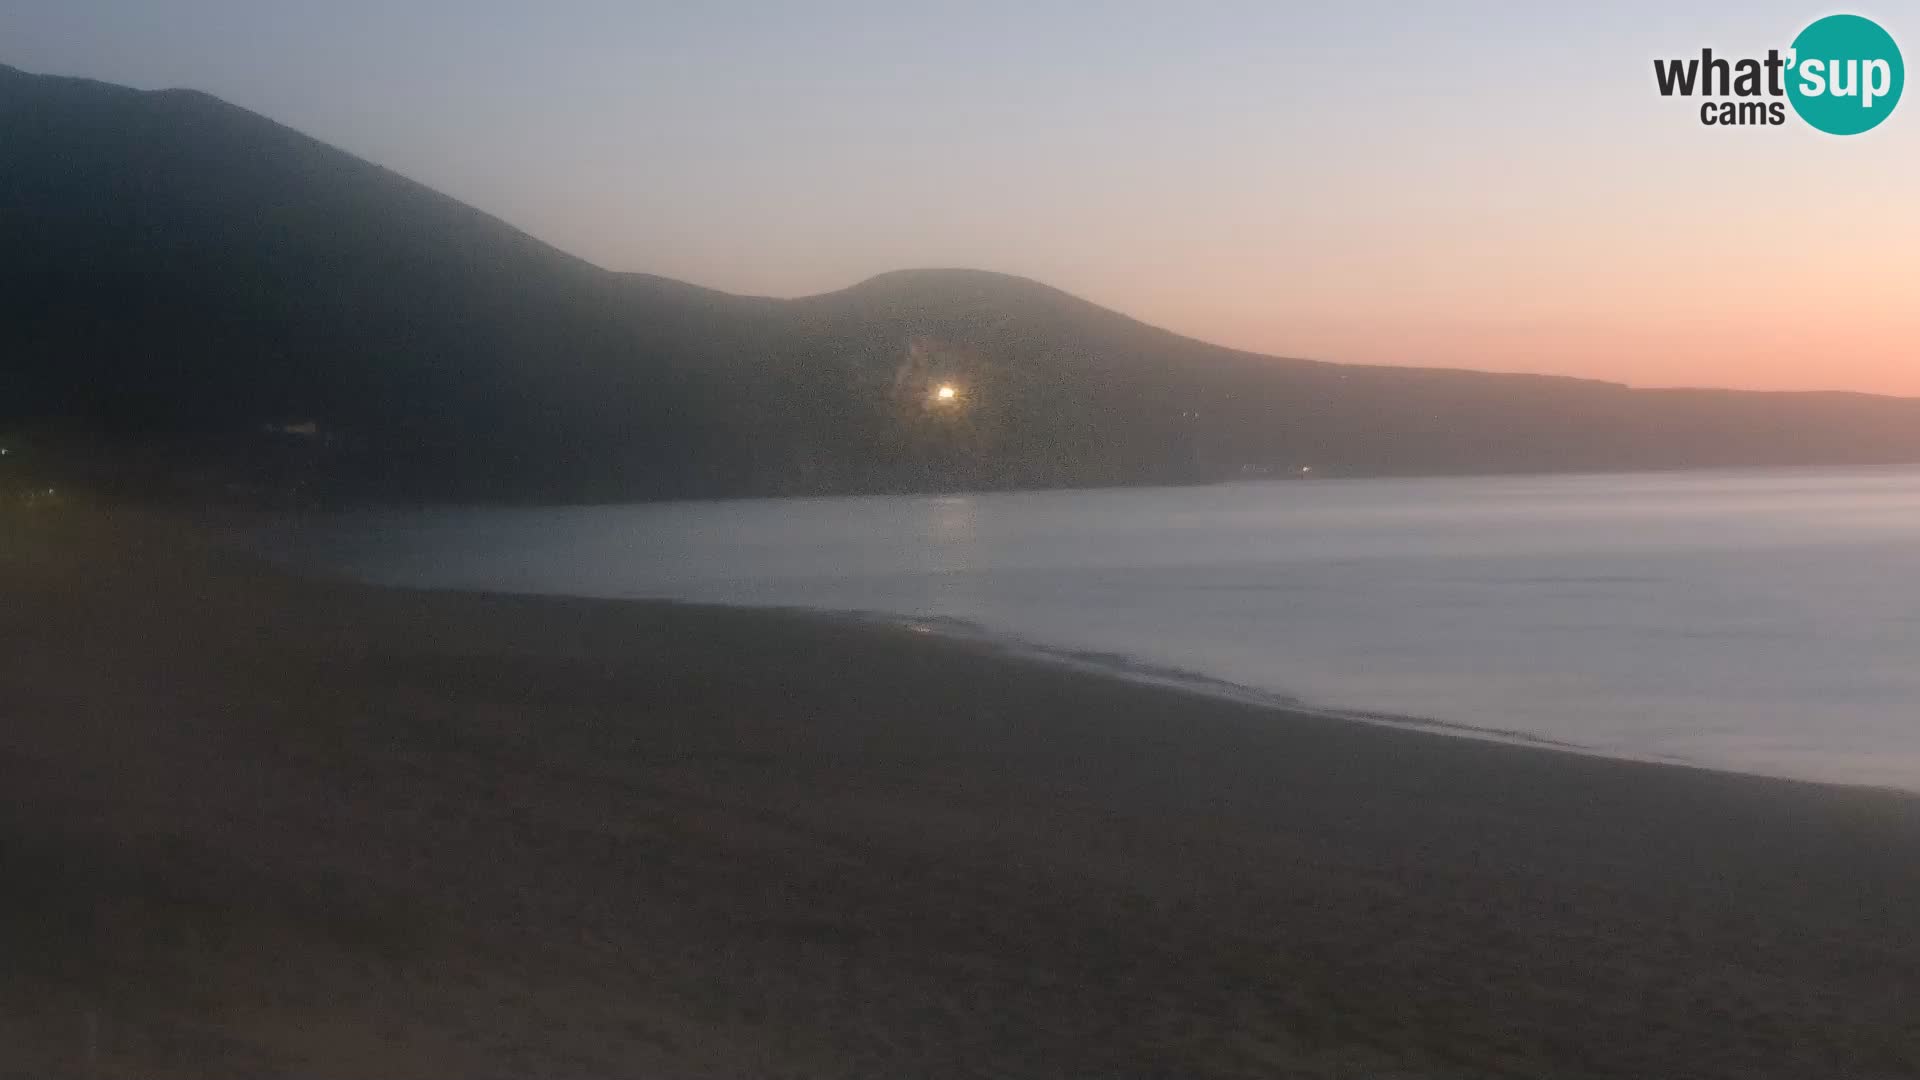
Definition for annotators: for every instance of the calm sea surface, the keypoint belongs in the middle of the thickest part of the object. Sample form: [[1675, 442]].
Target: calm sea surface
[[1766, 621]]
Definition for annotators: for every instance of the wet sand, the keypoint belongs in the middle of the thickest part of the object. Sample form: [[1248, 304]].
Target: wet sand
[[262, 826]]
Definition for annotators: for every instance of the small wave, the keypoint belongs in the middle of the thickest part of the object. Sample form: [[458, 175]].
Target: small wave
[[1134, 669]]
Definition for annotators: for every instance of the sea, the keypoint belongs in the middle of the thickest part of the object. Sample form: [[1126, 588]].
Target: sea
[[1764, 621]]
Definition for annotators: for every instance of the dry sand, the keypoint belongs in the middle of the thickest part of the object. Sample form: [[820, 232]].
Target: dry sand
[[259, 826]]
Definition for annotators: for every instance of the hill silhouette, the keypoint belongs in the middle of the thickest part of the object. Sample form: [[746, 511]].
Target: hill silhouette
[[175, 268]]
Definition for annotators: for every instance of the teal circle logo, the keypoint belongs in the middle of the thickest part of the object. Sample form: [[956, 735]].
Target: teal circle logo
[[1845, 74]]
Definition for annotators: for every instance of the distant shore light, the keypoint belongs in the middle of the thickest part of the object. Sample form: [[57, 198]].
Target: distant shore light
[[947, 392]]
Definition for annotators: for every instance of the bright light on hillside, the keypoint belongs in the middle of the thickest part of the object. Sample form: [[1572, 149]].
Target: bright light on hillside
[[946, 392]]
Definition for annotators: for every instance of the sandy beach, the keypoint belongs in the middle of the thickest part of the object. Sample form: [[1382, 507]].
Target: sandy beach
[[257, 825]]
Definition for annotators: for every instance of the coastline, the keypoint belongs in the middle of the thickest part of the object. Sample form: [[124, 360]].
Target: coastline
[[270, 825], [1134, 671], [1740, 626], [1144, 673]]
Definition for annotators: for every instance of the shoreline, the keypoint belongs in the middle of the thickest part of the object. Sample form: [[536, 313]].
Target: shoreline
[[1138, 672], [1786, 657], [272, 825], [1128, 670]]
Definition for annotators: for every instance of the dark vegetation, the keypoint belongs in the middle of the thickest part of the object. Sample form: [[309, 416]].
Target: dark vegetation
[[177, 274]]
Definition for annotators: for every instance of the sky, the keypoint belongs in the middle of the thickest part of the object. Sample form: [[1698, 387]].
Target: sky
[[1489, 185]]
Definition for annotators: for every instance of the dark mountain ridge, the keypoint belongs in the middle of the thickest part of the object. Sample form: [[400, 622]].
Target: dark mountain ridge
[[176, 268]]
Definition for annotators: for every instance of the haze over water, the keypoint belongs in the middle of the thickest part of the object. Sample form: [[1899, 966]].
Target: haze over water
[[1763, 621]]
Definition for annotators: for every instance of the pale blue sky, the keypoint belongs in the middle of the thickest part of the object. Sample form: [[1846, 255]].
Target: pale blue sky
[[1488, 184]]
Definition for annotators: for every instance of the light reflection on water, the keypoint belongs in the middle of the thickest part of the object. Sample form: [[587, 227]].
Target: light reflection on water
[[1764, 620]]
